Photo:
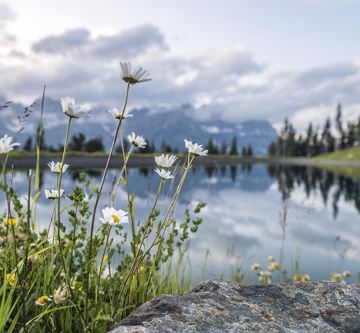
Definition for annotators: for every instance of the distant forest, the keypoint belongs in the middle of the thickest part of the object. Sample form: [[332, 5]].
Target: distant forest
[[78, 142], [317, 141]]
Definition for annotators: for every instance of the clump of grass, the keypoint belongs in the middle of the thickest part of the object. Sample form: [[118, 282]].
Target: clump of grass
[[78, 275]]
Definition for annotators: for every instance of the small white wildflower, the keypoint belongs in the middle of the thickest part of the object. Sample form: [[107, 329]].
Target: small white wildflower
[[24, 200], [73, 110], [112, 216], [137, 140], [165, 161], [194, 148], [86, 197], [53, 194], [137, 76], [164, 174], [118, 114], [55, 167], [6, 144]]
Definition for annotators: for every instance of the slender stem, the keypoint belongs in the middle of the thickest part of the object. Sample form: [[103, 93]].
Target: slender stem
[[67, 278], [59, 196], [98, 193], [4, 166], [147, 224], [126, 159], [18, 273], [161, 230], [101, 266], [28, 215], [74, 242]]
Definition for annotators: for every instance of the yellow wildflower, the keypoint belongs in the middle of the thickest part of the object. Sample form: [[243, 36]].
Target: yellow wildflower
[[11, 279], [273, 266], [297, 278], [11, 221], [270, 258], [335, 277], [141, 269]]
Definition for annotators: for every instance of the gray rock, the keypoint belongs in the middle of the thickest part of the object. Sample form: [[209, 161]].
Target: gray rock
[[215, 307]]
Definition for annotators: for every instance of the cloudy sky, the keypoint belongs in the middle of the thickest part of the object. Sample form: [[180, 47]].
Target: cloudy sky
[[231, 59]]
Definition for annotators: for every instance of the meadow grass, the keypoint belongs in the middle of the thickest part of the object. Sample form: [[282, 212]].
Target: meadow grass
[[78, 275]]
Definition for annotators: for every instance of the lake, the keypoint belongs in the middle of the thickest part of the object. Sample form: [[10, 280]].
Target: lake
[[252, 209]]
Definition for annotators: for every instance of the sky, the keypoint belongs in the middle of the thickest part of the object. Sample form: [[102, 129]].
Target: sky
[[230, 59]]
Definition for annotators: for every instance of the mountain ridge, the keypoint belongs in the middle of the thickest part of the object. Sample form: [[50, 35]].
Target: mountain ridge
[[171, 126]]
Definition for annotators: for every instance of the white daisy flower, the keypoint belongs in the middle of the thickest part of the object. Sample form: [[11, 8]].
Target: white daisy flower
[[41, 301], [194, 148], [164, 174], [6, 144], [165, 161], [118, 115], [53, 194], [112, 216], [55, 167], [137, 140], [138, 75], [71, 109]]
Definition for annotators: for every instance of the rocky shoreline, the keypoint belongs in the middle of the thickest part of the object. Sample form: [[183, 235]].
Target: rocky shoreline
[[215, 306]]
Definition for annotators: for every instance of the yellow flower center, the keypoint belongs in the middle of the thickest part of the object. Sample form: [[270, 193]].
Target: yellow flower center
[[11, 221], [130, 79], [43, 299], [116, 218]]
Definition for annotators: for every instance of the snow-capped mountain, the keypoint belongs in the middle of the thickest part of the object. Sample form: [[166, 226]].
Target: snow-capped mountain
[[170, 126]]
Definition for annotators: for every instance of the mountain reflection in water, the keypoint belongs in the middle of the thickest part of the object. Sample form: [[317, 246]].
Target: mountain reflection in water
[[242, 220]]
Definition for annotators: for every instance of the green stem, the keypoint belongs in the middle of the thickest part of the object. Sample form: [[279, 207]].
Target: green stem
[[4, 166], [61, 250], [28, 215], [147, 224], [98, 193], [117, 184], [161, 230], [100, 268], [59, 197]]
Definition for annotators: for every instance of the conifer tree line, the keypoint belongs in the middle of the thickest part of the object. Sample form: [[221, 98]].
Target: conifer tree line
[[78, 142], [332, 136], [228, 149]]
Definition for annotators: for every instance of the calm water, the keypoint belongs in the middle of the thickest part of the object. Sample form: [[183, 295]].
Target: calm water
[[242, 220]]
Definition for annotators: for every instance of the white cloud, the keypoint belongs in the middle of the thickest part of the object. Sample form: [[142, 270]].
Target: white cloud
[[227, 83]]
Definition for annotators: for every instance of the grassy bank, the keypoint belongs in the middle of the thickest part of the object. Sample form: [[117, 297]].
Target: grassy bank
[[351, 154]]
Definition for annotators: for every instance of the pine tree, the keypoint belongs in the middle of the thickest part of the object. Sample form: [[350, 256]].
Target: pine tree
[[223, 149], [210, 147], [77, 142], [28, 144], [309, 140], [339, 127], [233, 146], [94, 145], [327, 139]]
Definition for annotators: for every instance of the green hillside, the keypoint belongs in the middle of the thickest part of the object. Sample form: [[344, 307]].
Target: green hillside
[[351, 154]]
